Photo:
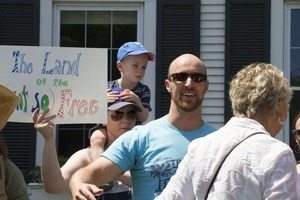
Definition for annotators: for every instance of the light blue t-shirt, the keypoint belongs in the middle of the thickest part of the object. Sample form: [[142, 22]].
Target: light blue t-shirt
[[152, 153]]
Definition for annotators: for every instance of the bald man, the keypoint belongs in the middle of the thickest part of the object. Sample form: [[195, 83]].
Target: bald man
[[153, 151]]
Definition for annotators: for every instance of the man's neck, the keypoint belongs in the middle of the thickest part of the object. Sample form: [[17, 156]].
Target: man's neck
[[186, 121]]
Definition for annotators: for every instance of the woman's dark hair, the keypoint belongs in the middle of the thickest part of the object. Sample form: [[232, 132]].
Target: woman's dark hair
[[296, 118]]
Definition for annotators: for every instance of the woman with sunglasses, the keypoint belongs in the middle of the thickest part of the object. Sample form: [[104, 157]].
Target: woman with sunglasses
[[296, 133], [121, 118]]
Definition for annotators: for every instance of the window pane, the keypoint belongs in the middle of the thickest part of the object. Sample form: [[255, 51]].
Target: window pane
[[72, 29], [115, 72], [295, 67], [295, 47], [295, 28], [98, 29], [124, 27]]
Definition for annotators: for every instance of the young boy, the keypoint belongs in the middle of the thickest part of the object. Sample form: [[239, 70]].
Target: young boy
[[132, 60]]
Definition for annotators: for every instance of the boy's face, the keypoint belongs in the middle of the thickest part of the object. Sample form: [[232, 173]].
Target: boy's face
[[133, 68]]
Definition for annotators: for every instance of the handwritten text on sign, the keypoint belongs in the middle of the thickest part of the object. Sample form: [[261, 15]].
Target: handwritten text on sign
[[71, 82]]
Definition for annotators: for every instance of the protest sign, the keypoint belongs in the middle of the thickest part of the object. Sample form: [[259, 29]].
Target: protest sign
[[71, 82]]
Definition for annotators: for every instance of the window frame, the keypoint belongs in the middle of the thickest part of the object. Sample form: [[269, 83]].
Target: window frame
[[97, 7]]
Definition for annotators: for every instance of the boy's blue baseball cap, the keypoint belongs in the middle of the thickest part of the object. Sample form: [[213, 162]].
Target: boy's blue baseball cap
[[133, 48]]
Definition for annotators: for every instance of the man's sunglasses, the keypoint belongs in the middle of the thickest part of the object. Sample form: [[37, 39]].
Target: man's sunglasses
[[182, 77], [295, 132], [118, 115]]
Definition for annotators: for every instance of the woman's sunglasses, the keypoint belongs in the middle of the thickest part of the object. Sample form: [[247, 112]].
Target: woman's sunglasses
[[296, 132], [118, 115], [182, 77]]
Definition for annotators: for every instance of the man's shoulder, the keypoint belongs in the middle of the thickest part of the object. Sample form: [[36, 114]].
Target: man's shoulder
[[150, 124], [209, 126]]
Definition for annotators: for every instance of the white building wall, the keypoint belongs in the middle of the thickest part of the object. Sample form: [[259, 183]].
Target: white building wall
[[212, 48], [212, 52]]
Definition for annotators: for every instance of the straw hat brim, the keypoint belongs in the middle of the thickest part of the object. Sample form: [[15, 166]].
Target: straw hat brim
[[8, 103]]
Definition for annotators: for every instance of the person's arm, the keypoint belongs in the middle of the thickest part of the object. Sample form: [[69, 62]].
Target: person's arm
[[142, 116], [55, 179], [97, 142], [51, 174], [85, 181], [50, 169], [281, 180], [126, 179]]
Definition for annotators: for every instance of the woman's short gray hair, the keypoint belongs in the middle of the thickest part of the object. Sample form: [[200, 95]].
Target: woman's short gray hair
[[257, 88]]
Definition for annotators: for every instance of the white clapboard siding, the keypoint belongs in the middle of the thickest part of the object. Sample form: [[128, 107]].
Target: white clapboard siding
[[212, 52]]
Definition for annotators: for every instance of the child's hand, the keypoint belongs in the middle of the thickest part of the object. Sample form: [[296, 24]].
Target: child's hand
[[112, 96], [128, 95]]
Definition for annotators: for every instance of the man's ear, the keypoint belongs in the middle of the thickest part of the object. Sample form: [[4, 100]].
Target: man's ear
[[206, 86], [119, 66], [167, 84]]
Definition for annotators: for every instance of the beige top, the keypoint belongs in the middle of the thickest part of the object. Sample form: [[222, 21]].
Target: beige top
[[15, 186]]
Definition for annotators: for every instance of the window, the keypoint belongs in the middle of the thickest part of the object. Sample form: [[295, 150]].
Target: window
[[293, 60], [97, 28]]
